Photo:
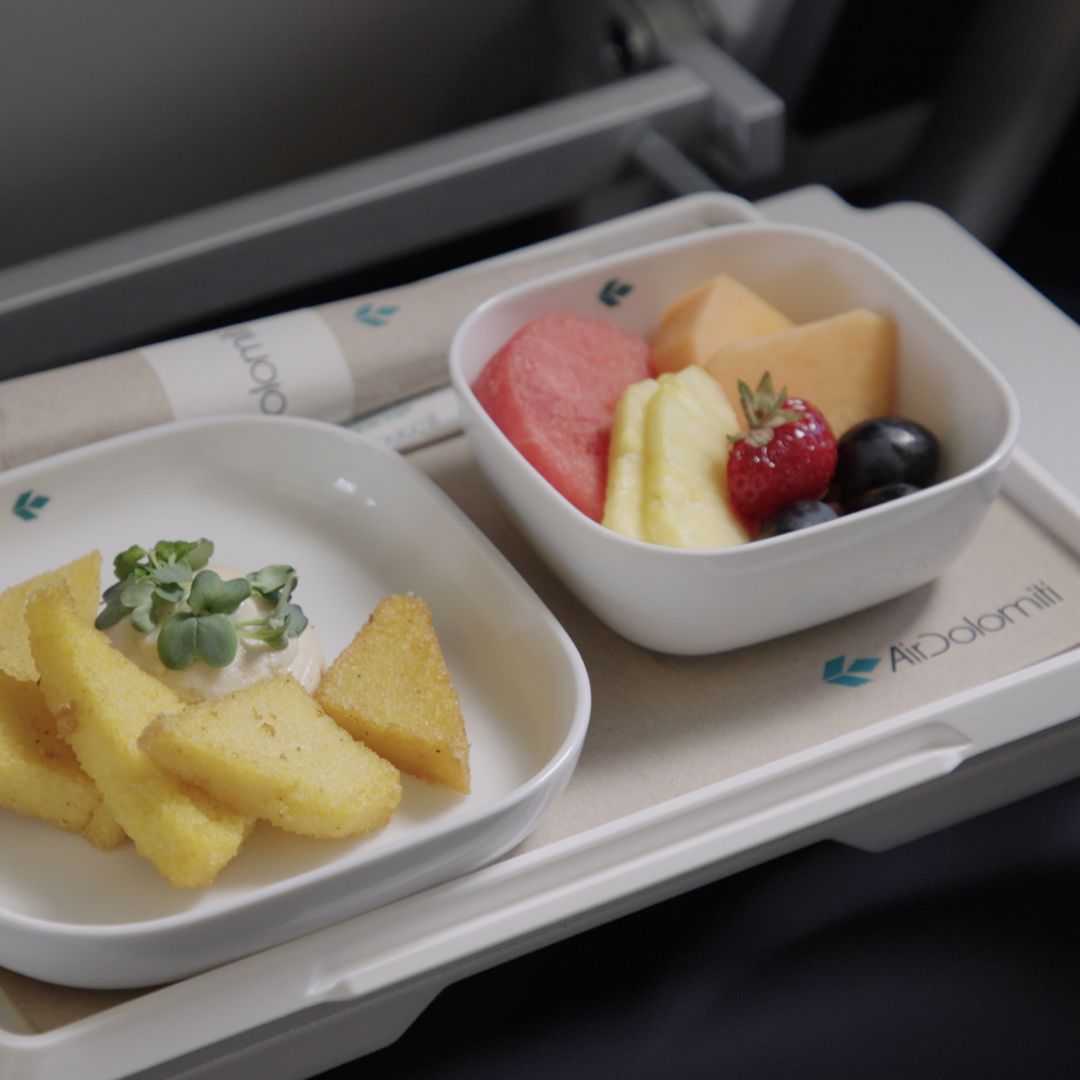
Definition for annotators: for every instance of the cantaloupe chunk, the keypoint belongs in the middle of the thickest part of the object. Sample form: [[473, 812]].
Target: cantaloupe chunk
[[391, 689], [719, 311], [845, 365], [39, 774], [686, 502], [82, 578], [102, 703], [269, 750], [625, 501]]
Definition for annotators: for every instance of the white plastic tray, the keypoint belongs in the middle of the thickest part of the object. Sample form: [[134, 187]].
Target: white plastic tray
[[359, 523], [351, 988]]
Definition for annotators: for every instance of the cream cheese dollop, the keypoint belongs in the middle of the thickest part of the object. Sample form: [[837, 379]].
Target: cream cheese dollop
[[302, 657]]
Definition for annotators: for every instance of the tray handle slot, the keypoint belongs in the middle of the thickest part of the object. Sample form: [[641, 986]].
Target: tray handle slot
[[549, 888]]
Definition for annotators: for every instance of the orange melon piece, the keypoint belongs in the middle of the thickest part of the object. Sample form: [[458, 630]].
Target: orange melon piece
[[718, 312], [845, 365]]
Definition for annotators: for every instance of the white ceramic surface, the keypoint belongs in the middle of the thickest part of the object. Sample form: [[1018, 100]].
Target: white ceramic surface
[[697, 602], [358, 523]]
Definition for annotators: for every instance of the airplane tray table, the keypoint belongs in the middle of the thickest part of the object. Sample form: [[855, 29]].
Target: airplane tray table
[[689, 772]]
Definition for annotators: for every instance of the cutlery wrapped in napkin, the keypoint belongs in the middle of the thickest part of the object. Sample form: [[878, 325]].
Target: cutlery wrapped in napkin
[[332, 362]]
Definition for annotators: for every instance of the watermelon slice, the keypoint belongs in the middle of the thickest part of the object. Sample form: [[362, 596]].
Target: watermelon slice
[[552, 389]]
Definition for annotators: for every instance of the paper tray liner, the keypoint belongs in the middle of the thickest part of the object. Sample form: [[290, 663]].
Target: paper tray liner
[[663, 726]]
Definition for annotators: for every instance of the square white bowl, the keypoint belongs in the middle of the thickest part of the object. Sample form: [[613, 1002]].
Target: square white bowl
[[694, 602]]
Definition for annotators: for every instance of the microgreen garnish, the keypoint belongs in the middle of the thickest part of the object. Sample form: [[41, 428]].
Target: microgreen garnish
[[168, 588]]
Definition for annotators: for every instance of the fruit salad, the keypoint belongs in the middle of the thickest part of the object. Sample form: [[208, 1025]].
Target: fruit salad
[[732, 424]]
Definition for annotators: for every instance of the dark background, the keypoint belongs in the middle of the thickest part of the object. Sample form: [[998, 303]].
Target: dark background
[[954, 956]]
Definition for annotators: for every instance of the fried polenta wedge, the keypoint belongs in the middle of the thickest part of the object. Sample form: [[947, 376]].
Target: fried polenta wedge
[[103, 831], [82, 579], [390, 688], [102, 702], [273, 753], [39, 775]]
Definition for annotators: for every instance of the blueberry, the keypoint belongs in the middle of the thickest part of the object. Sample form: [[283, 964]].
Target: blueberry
[[882, 451], [877, 496], [800, 514]]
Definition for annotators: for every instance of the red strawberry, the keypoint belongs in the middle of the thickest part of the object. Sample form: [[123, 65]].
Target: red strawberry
[[788, 453]]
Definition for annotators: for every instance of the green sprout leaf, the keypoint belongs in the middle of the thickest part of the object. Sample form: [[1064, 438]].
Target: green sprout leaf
[[176, 642], [139, 597], [199, 554], [111, 613], [170, 594], [182, 551], [172, 573], [137, 592], [271, 580], [215, 640], [187, 637], [210, 595], [295, 621], [124, 564]]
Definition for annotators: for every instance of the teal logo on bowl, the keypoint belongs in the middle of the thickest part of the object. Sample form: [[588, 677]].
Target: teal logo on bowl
[[614, 292], [27, 505], [371, 315]]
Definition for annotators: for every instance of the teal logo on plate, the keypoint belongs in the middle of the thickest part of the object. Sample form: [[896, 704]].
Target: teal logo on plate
[[28, 504], [840, 673], [375, 315], [614, 291]]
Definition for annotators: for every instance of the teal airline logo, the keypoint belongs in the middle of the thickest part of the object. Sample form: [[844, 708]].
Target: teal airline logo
[[839, 672], [28, 504], [924, 646], [375, 315], [614, 292]]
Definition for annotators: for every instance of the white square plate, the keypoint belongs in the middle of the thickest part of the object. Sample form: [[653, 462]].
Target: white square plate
[[358, 523]]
